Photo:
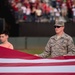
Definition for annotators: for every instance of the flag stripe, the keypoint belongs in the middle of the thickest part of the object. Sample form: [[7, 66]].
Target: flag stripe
[[38, 69], [35, 64], [6, 60], [9, 53], [37, 73]]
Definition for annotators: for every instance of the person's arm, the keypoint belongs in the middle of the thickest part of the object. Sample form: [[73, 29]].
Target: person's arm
[[47, 51], [71, 47]]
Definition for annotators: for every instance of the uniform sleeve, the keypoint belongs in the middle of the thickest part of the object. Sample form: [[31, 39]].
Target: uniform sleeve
[[71, 47], [47, 51]]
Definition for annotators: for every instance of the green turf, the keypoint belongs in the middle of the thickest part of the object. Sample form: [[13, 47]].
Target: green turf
[[32, 51]]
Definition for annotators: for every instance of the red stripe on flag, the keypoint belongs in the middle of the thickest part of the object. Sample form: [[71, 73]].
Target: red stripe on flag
[[35, 64], [9, 53], [37, 73]]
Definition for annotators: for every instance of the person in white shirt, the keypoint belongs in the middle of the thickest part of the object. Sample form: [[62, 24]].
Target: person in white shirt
[[23, 8], [57, 14], [28, 14]]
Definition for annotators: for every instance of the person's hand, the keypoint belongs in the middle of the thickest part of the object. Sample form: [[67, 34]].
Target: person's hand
[[36, 54], [64, 55]]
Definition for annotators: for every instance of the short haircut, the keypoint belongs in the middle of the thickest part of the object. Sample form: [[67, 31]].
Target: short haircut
[[4, 32]]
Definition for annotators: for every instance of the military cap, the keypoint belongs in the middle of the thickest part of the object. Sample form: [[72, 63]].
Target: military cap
[[60, 23]]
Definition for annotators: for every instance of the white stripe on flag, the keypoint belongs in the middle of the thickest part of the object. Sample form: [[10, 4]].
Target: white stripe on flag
[[39, 69], [5, 60]]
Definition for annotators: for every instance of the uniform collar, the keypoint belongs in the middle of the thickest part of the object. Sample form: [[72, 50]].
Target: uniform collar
[[63, 35]]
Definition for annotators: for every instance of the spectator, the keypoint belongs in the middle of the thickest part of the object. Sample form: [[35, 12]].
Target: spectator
[[20, 11], [33, 14], [15, 8], [57, 11], [69, 6], [28, 14], [52, 15], [64, 10], [38, 14], [23, 11], [73, 10]]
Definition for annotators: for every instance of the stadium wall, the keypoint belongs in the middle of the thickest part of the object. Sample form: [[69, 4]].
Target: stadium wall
[[36, 43], [34, 29]]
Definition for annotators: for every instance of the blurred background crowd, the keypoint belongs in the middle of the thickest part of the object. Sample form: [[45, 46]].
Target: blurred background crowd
[[43, 10]]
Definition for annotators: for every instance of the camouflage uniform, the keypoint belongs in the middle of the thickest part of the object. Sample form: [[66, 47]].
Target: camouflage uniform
[[59, 47]]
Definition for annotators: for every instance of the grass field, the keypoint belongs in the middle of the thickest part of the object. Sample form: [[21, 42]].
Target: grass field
[[32, 51]]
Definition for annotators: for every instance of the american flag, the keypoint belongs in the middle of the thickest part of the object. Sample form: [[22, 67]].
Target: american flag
[[14, 62]]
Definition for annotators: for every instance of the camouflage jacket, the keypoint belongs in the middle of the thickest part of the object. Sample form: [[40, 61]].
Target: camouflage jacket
[[59, 47]]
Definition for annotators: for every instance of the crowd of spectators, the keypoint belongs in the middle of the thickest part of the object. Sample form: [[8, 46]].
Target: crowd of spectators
[[43, 10]]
